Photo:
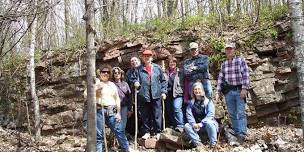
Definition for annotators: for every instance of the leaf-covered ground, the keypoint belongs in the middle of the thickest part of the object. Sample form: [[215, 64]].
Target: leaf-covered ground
[[284, 138]]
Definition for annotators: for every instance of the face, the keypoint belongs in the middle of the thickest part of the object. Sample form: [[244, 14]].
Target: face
[[198, 91], [104, 74], [117, 74], [229, 52], [194, 52], [147, 59], [172, 64], [135, 62]]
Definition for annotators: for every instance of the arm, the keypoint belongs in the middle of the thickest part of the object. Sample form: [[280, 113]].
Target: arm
[[202, 65], [189, 114], [245, 74], [128, 94], [163, 81], [220, 80]]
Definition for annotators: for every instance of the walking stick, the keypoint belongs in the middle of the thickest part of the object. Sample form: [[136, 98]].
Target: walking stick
[[136, 119], [104, 129], [164, 121]]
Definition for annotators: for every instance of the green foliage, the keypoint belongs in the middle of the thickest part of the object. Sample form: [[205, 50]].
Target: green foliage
[[217, 44], [191, 21], [78, 38], [277, 12], [162, 27], [13, 70]]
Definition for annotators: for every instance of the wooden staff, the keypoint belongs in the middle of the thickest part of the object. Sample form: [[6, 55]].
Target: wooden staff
[[163, 100], [136, 119]]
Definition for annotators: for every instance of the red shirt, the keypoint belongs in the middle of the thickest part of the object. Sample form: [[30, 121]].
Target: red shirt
[[148, 68]]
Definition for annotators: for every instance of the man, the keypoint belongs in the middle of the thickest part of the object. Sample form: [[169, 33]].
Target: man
[[233, 81], [135, 62], [150, 80], [196, 69]]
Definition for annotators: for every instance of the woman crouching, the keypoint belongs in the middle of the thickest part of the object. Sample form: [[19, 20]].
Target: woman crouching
[[200, 115]]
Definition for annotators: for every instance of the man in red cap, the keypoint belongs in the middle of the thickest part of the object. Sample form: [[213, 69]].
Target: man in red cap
[[152, 87]]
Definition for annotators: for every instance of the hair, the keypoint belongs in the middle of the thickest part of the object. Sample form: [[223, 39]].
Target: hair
[[105, 66], [195, 85], [171, 58], [122, 73]]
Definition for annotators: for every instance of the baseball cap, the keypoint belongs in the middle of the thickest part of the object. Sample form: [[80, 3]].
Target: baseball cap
[[229, 45], [193, 45], [147, 52]]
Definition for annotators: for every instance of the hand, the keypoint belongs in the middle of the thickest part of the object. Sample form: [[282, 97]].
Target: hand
[[218, 97], [130, 114], [136, 84], [118, 117], [243, 93], [163, 96], [196, 126], [194, 68]]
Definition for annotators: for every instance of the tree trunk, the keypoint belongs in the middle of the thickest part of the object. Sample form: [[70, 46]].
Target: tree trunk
[[295, 10], [159, 10], [228, 7], [170, 8], [66, 21], [182, 11], [164, 4], [91, 76], [238, 7], [135, 11], [31, 69]]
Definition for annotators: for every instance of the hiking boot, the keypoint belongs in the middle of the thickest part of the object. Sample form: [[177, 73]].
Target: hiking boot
[[157, 136], [199, 147], [179, 129], [146, 136], [241, 139]]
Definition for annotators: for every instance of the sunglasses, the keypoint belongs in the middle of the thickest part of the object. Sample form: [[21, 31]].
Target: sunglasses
[[116, 72], [105, 72]]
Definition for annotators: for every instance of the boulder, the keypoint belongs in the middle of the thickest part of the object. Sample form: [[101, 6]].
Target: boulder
[[264, 91]]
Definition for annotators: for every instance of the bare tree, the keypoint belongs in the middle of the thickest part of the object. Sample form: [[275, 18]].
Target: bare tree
[[91, 76], [295, 9], [66, 21], [31, 69]]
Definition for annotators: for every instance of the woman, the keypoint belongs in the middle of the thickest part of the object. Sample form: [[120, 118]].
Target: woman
[[108, 102], [175, 95], [200, 115], [124, 93]]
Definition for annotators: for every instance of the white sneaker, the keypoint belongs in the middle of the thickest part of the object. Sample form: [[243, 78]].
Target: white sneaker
[[146, 136], [131, 149], [157, 136]]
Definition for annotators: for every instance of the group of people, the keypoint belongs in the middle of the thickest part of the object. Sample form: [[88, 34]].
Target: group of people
[[188, 86]]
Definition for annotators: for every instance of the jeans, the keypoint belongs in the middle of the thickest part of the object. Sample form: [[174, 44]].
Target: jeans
[[178, 112], [124, 116], [115, 126], [151, 115], [236, 110], [209, 126], [207, 88]]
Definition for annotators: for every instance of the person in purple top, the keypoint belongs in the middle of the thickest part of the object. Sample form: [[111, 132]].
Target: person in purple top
[[233, 81], [124, 93]]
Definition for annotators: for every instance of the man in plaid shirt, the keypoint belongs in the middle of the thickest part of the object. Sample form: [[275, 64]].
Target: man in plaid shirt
[[234, 75]]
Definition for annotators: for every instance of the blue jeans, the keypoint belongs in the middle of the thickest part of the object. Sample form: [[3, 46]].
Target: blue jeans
[[151, 115], [236, 110], [115, 126], [210, 126], [124, 116], [178, 112], [207, 88]]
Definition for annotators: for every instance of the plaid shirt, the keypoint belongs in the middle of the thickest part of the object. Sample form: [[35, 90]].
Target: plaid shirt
[[234, 72]]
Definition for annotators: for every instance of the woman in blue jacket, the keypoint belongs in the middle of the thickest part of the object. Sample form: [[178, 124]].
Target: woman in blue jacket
[[200, 115]]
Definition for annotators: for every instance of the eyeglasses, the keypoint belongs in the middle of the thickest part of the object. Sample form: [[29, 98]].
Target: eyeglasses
[[105, 72]]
